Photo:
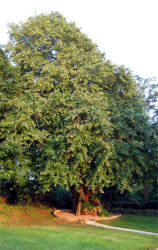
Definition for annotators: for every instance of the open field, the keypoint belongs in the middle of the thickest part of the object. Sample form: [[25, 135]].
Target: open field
[[30, 228]]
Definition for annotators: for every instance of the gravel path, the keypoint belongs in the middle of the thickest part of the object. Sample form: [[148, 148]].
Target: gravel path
[[93, 223]]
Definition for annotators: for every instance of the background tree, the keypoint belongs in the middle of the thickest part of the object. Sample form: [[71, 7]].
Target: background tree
[[144, 142], [150, 96]]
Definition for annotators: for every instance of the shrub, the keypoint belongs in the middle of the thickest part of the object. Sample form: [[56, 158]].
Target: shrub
[[87, 205], [2, 200], [104, 213]]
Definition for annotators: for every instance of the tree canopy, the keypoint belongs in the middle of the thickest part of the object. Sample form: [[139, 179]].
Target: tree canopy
[[68, 116]]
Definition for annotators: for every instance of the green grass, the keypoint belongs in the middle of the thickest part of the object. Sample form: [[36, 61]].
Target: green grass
[[31, 228], [70, 237], [145, 223]]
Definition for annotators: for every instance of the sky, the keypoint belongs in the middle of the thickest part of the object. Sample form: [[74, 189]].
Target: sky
[[126, 30]]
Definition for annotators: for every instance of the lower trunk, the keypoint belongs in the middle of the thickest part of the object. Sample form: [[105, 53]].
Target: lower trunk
[[74, 201], [83, 195], [76, 206], [78, 210], [146, 195]]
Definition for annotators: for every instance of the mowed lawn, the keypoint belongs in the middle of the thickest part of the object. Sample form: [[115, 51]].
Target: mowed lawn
[[30, 228], [72, 238], [144, 223]]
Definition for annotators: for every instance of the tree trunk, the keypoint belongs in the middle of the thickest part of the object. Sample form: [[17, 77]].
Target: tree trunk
[[77, 197], [74, 200], [78, 203], [146, 194], [78, 210]]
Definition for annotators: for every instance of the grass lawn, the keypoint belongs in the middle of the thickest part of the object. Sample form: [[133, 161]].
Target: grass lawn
[[30, 228], [145, 223], [72, 238]]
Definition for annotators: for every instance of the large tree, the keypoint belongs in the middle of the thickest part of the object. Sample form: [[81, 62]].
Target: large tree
[[8, 89], [75, 119]]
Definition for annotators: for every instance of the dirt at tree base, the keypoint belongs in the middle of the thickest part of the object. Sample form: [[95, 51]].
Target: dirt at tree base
[[69, 216]]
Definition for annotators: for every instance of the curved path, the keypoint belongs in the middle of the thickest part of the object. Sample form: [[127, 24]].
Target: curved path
[[91, 220], [93, 223]]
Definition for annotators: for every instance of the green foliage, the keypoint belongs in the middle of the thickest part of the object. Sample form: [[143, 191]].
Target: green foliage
[[80, 145], [104, 213], [89, 205], [60, 119], [68, 117]]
